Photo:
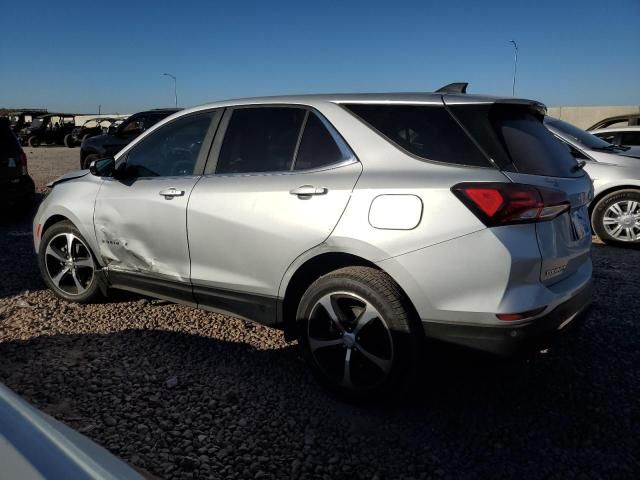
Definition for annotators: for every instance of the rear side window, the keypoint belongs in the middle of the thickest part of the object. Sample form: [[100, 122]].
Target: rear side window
[[260, 139], [317, 146], [516, 139], [630, 138], [428, 132]]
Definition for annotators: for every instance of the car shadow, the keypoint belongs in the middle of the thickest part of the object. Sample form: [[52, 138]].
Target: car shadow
[[160, 398]]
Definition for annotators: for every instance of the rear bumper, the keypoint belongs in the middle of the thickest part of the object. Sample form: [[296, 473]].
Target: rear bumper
[[508, 340]]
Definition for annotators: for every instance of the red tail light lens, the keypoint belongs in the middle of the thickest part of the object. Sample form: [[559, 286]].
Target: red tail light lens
[[22, 164], [509, 203]]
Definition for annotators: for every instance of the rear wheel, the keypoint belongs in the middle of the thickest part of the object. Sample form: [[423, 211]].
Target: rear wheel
[[33, 141], [67, 264], [357, 333], [616, 218], [68, 141]]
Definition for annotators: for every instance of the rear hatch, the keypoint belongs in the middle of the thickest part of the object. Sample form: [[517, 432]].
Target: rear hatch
[[512, 134]]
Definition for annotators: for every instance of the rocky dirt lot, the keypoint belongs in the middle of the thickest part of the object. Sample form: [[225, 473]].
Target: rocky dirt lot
[[187, 394]]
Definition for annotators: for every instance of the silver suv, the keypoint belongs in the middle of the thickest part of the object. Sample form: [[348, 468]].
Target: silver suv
[[360, 224]]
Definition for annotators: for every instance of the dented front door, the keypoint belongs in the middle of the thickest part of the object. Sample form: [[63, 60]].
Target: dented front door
[[141, 226], [141, 218]]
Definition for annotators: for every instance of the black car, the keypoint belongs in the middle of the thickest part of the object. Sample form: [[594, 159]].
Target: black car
[[18, 189], [90, 128], [50, 129], [22, 118], [111, 143]]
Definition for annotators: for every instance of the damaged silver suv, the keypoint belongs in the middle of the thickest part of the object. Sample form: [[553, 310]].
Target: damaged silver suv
[[358, 224]]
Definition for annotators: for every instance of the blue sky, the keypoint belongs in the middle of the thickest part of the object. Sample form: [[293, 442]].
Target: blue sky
[[73, 56]]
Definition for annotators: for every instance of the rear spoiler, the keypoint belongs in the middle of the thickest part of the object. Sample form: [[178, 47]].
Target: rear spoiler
[[456, 87]]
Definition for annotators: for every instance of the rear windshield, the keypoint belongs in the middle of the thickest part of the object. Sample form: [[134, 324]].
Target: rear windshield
[[583, 137], [516, 139], [425, 131]]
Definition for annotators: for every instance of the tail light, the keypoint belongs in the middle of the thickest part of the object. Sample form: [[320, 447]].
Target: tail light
[[508, 203], [22, 164]]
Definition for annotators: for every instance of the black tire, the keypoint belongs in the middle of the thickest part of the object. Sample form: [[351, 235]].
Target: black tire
[[88, 159], [69, 142], [81, 251], [602, 211], [33, 141], [399, 344]]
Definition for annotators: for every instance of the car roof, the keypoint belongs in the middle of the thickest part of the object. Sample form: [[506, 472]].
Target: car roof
[[377, 98], [628, 128]]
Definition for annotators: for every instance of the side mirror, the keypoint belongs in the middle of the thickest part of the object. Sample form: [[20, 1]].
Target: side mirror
[[112, 130], [103, 167]]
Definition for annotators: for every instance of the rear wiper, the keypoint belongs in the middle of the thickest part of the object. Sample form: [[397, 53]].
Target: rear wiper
[[579, 165], [610, 148]]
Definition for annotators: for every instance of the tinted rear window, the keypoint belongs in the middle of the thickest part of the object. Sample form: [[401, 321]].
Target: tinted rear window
[[426, 131], [516, 139]]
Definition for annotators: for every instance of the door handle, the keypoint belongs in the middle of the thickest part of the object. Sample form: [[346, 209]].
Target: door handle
[[169, 193], [308, 190]]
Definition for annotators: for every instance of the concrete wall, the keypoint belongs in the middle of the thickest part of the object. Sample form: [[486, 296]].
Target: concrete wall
[[584, 117]]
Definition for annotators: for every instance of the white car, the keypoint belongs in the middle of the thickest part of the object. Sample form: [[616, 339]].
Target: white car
[[628, 136]]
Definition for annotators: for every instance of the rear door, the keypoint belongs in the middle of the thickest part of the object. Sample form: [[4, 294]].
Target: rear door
[[276, 184], [516, 139]]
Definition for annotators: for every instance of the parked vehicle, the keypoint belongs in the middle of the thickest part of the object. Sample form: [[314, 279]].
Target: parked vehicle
[[36, 446], [90, 128], [629, 119], [625, 136], [615, 170], [18, 189], [359, 224], [22, 118], [49, 129], [117, 138]]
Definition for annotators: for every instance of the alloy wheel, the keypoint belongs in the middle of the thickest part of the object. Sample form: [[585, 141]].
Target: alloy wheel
[[69, 264], [622, 220], [350, 341]]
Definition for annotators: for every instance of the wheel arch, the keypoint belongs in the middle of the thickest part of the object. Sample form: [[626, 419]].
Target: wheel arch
[[600, 195], [307, 273]]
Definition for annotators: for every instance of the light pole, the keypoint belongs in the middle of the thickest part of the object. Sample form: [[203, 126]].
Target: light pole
[[515, 66], [175, 86]]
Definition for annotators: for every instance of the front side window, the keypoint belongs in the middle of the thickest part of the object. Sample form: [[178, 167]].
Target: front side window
[[260, 139], [170, 151], [428, 132], [133, 126]]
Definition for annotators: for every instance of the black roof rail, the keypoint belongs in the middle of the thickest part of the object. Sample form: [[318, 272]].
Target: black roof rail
[[456, 87]]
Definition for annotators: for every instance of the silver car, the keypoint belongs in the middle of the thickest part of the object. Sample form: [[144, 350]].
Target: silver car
[[359, 224], [615, 171]]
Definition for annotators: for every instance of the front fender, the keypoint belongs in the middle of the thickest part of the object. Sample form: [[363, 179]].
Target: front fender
[[75, 201]]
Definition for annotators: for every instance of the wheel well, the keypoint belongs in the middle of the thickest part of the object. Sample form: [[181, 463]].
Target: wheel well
[[604, 193], [308, 273], [53, 219]]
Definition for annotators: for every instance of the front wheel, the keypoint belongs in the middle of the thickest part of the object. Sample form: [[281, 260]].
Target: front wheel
[[67, 264], [358, 334], [68, 141], [616, 218], [33, 141]]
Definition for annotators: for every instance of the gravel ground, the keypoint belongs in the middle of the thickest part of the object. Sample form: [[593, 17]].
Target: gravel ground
[[187, 394]]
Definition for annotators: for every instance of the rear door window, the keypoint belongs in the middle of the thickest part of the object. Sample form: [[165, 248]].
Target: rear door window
[[516, 139], [260, 139], [425, 131]]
